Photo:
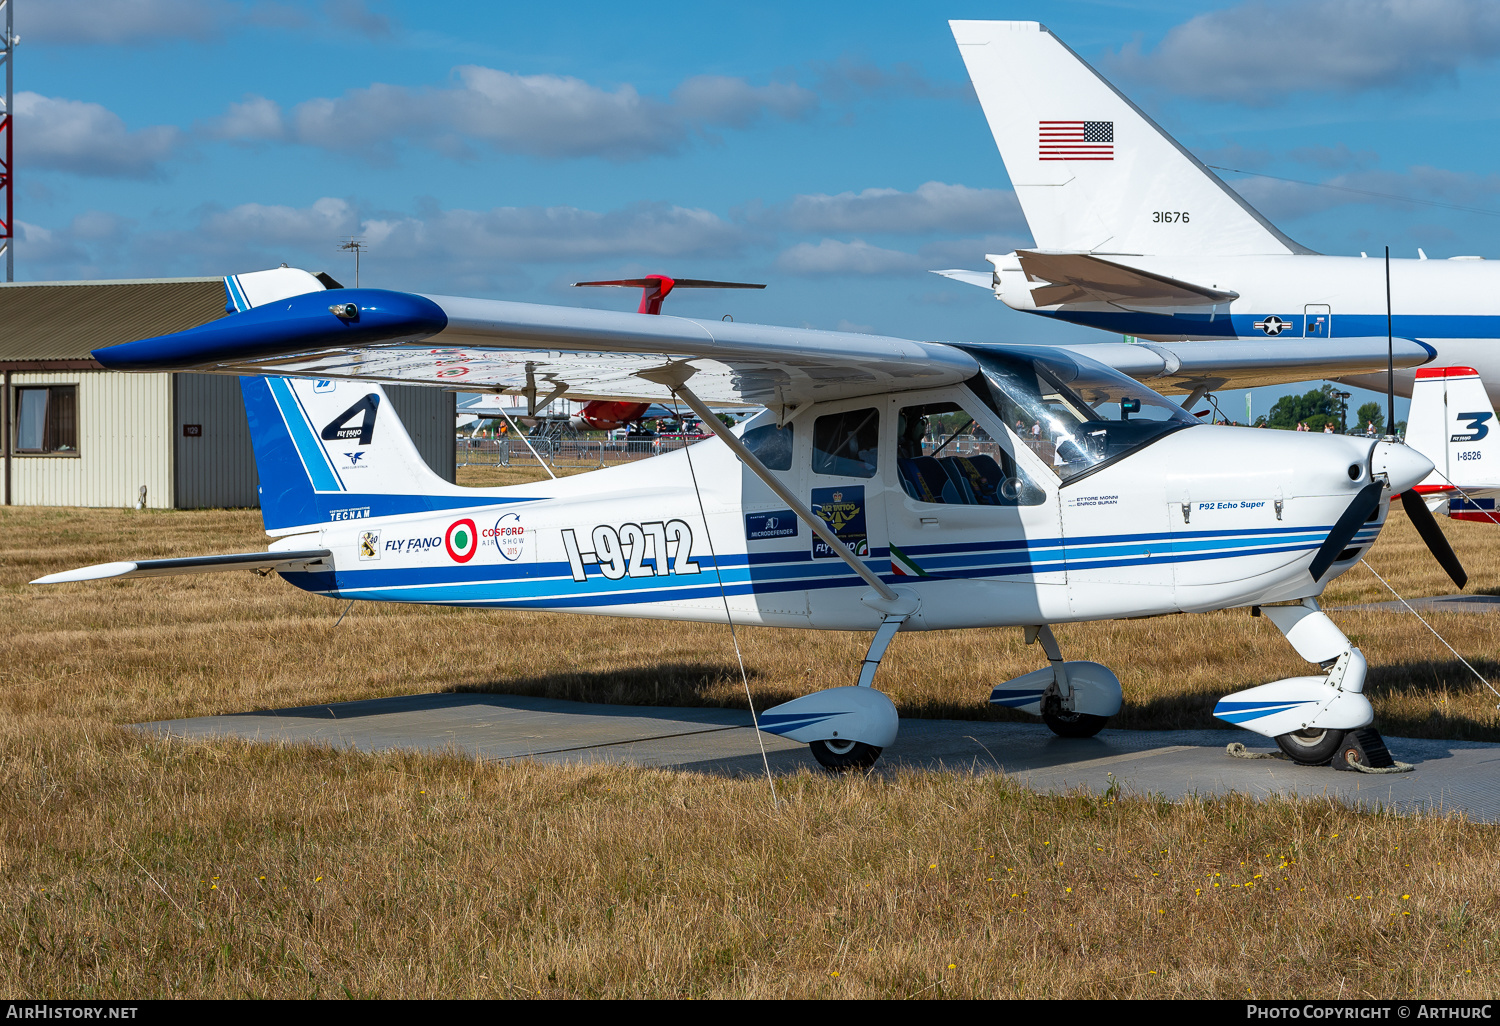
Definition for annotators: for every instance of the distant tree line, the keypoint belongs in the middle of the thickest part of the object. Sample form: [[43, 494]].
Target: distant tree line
[[1318, 407]]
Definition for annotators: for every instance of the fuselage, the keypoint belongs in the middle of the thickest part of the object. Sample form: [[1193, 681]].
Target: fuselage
[[1202, 517], [1452, 306]]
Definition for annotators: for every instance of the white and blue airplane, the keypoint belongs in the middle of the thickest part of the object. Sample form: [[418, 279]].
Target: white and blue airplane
[[1453, 424], [831, 509], [1134, 235]]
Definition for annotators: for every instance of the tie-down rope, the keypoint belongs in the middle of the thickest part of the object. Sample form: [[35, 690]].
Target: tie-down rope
[[733, 633]]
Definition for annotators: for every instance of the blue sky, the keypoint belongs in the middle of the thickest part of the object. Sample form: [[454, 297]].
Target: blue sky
[[833, 151]]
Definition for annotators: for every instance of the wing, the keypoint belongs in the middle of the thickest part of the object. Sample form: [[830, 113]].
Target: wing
[[1175, 367], [542, 352], [298, 559]]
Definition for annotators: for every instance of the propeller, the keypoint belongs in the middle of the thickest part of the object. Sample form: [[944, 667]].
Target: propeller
[[1353, 518], [1437, 544]]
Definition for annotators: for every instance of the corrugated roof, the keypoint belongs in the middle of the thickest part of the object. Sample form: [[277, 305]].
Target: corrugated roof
[[66, 320]]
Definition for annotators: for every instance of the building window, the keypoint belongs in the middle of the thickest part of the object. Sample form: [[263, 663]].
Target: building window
[[47, 420]]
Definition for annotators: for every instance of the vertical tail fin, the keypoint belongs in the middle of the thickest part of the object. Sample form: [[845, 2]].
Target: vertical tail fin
[[1453, 424], [257, 288], [1093, 173], [331, 450]]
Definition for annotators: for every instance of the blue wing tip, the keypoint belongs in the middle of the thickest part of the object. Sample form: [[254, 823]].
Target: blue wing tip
[[285, 326]]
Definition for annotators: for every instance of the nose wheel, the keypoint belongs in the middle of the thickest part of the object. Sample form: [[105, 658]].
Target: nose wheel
[[1065, 723], [844, 756], [1311, 747]]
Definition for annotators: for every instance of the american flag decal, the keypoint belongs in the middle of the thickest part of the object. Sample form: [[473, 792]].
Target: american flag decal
[[1076, 140]]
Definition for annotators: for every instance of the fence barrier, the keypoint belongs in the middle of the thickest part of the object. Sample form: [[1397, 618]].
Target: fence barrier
[[569, 453]]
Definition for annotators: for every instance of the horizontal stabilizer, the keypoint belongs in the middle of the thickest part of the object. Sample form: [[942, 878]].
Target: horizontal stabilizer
[[1080, 278], [984, 279], [291, 560], [677, 283]]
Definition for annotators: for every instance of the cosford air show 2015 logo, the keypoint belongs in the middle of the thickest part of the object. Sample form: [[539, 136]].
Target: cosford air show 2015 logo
[[462, 540], [509, 536]]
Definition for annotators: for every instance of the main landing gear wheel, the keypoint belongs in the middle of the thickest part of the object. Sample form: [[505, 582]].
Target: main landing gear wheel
[[1071, 724], [1311, 747], [844, 756]]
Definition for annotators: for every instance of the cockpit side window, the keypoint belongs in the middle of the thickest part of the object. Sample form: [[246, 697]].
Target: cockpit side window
[[1074, 413], [847, 444], [943, 456]]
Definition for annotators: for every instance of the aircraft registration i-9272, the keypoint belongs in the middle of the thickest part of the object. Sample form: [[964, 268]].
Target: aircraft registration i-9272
[[839, 507]]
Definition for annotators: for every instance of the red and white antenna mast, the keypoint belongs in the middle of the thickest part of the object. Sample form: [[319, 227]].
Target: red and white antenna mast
[[7, 164]]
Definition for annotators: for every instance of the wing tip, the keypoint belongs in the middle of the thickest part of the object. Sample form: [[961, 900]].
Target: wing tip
[[97, 572]]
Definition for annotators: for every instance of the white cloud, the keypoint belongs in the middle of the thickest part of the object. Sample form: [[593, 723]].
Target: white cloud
[[1334, 158], [285, 228], [1257, 53], [550, 116], [720, 100], [253, 119], [433, 249], [87, 139], [122, 21], [113, 22], [1410, 190], [931, 207], [858, 257]]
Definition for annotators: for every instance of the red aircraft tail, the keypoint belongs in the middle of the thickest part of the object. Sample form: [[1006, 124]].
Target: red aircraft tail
[[656, 287]]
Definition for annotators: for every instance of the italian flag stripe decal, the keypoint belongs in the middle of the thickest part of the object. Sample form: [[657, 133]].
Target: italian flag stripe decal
[[904, 565]]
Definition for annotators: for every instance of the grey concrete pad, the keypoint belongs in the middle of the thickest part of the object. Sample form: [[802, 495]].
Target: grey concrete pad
[[1439, 604], [1450, 776]]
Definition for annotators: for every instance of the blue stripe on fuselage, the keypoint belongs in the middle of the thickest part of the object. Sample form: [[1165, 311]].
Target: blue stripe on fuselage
[[1238, 325], [550, 585]]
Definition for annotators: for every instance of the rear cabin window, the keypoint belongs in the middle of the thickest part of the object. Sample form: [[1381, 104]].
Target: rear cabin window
[[771, 445], [847, 444]]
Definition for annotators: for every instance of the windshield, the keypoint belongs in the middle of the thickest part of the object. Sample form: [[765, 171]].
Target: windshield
[[1073, 412]]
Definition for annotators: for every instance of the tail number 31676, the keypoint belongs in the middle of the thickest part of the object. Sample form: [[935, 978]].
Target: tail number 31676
[[633, 550]]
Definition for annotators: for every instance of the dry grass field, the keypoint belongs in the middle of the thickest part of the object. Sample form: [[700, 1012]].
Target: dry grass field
[[133, 867]]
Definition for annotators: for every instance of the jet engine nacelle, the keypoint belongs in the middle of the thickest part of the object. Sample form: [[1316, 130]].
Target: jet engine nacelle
[[1010, 284]]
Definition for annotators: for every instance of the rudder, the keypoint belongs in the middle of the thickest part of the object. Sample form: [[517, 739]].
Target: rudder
[[1092, 172], [1452, 423], [329, 450]]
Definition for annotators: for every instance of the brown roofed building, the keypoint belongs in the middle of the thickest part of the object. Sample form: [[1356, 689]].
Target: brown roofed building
[[78, 435]]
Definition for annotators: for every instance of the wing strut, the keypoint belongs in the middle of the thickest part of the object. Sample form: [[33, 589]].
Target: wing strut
[[818, 524]]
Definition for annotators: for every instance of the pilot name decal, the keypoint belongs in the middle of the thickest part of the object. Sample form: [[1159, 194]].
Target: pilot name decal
[[843, 509], [1094, 500], [781, 523], [652, 549]]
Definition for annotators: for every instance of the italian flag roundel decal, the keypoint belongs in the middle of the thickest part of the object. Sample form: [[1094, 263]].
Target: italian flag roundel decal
[[462, 540]]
